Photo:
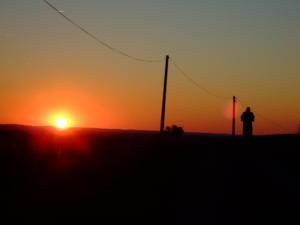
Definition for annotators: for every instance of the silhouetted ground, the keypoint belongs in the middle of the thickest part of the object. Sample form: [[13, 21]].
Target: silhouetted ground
[[142, 177]]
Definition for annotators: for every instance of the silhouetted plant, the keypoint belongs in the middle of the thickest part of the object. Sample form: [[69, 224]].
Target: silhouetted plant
[[175, 130]]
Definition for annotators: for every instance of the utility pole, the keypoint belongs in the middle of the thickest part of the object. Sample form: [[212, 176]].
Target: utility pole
[[162, 121], [233, 116]]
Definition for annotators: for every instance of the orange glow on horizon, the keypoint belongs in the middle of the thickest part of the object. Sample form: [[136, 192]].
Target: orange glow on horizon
[[228, 111], [81, 107]]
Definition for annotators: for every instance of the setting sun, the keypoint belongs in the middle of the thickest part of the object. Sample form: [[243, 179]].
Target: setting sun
[[61, 120], [61, 123]]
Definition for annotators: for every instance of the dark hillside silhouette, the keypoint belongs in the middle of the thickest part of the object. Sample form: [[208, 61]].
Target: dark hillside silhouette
[[145, 177]]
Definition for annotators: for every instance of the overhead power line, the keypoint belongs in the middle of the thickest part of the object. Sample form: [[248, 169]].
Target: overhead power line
[[110, 47], [202, 88], [180, 70], [271, 121]]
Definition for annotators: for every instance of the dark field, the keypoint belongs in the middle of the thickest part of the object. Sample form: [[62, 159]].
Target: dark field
[[142, 177]]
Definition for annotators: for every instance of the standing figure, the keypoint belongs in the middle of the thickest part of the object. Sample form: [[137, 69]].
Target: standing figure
[[247, 118]]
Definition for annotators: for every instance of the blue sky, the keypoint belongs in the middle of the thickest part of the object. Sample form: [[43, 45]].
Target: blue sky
[[247, 48]]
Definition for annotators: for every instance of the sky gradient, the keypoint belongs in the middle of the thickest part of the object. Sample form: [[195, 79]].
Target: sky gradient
[[250, 49]]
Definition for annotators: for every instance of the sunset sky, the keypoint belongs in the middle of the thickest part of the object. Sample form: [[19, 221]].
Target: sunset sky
[[247, 48]]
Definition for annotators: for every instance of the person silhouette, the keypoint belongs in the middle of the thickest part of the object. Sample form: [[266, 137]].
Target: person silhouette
[[247, 118]]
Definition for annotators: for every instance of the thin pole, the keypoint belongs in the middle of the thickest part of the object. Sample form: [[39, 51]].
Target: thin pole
[[233, 116], [162, 121]]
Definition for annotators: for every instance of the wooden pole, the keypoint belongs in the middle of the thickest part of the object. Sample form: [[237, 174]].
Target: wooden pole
[[162, 121], [233, 115]]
